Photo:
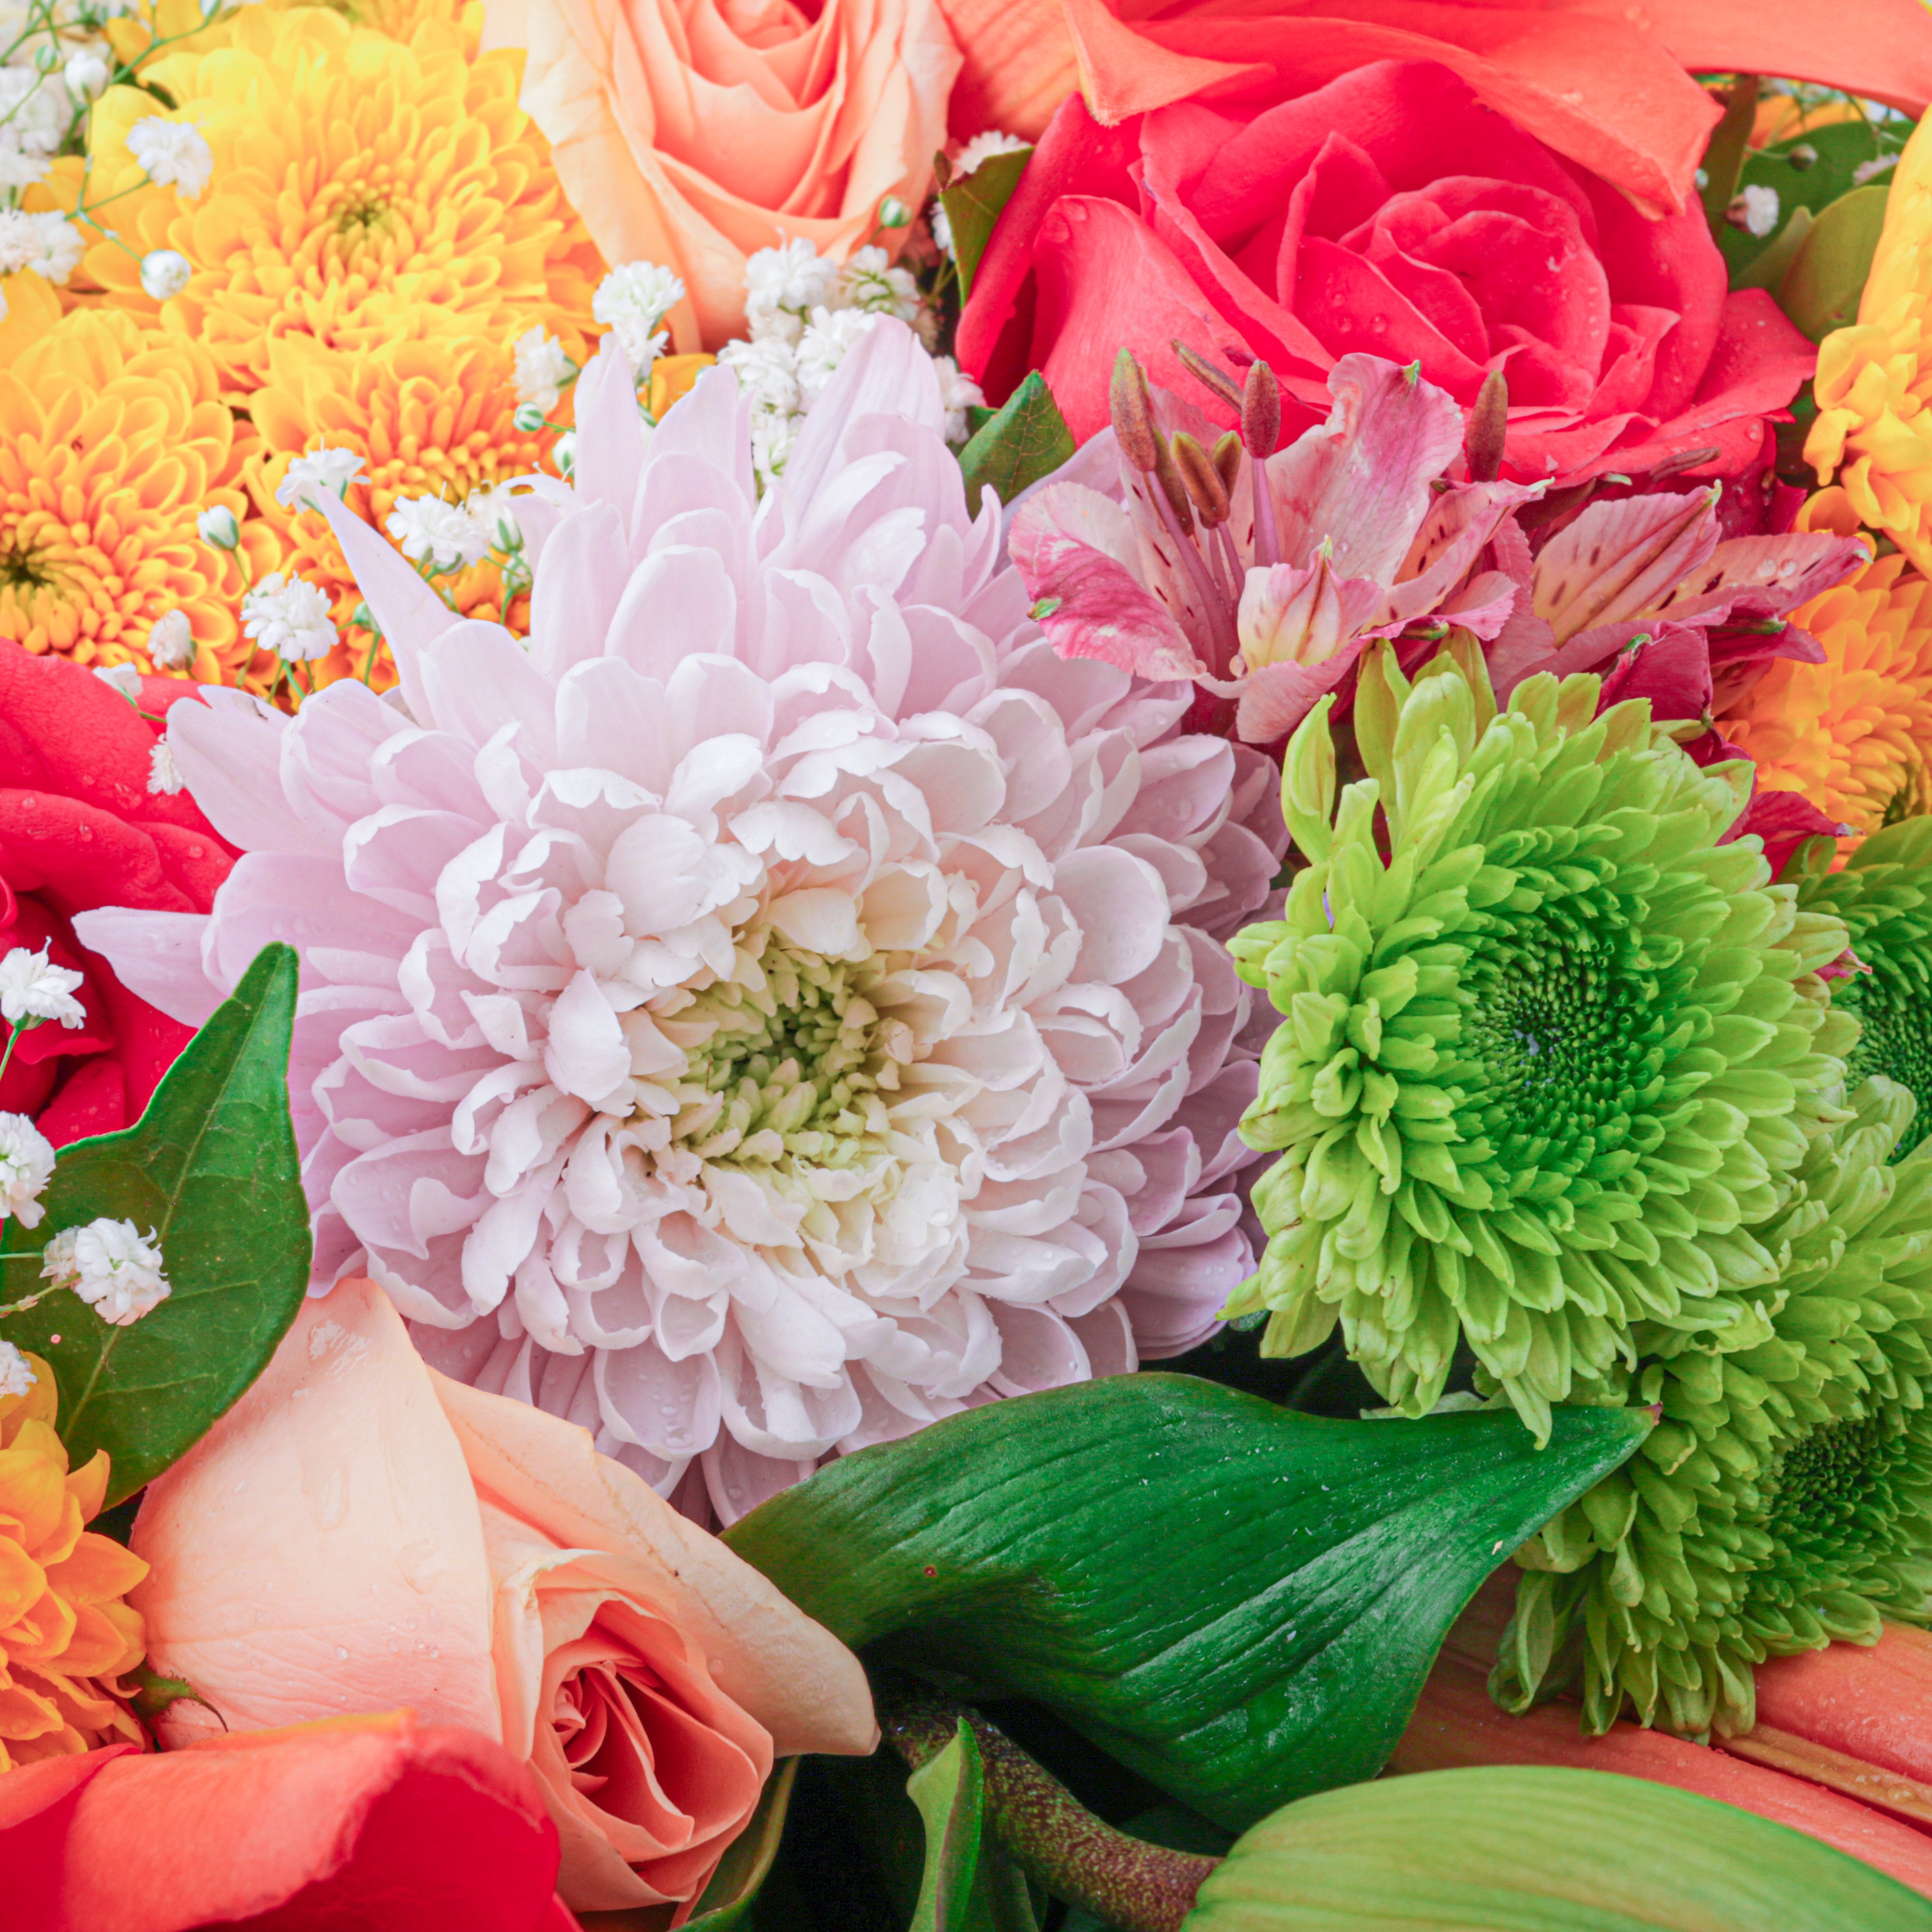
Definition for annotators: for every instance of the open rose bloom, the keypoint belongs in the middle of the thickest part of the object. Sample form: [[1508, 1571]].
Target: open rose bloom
[[785, 1004], [360, 1534]]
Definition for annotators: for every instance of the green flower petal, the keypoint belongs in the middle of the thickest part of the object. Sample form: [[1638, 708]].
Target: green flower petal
[[1550, 1056]]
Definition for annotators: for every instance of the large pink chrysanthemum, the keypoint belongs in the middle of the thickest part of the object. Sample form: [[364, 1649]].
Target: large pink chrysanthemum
[[783, 1003]]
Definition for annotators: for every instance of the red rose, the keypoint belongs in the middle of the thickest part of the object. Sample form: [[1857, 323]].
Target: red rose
[[376, 1822], [80, 828], [1388, 212]]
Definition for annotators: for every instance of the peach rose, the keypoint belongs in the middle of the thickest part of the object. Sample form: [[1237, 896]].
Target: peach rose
[[359, 1533], [691, 133]]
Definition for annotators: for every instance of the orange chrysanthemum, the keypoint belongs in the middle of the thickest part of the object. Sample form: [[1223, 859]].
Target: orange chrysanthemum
[[1874, 385], [65, 1634], [113, 438], [429, 419], [1854, 734], [365, 191]]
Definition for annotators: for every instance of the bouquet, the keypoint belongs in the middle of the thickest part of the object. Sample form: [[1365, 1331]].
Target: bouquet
[[965, 967]]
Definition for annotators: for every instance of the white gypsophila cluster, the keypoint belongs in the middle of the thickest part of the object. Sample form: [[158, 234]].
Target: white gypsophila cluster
[[165, 272], [164, 778], [632, 302], [113, 1267], [26, 1166], [16, 1377], [37, 112], [542, 368], [981, 148], [171, 642], [172, 153], [313, 471], [124, 678], [803, 312], [1759, 208], [288, 616], [49, 243], [33, 989], [492, 510], [438, 535]]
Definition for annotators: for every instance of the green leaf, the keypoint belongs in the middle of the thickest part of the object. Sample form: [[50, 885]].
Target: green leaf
[[1026, 439], [950, 1791], [1238, 1602], [1533, 1846], [973, 206], [212, 1167], [741, 1873], [1811, 171], [1820, 290]]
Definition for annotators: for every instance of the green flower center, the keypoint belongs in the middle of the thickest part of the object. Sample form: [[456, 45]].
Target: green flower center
[[788, 1059], [1896, 1042]]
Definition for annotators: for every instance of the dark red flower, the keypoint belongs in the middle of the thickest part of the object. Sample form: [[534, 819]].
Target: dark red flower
[[1388, 212], [80, 828]]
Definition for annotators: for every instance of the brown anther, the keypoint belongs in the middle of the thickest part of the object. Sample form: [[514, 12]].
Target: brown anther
[[1227, 455], [1167, 474], [1218, 381], [1260, 411], [1489, 428], [1684, 459], [1132, 408], [1202, 479]]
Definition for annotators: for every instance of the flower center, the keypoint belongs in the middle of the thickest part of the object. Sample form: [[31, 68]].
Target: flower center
[[22, 569], [1895, 1040], [788, 1059], [1832, 1490]]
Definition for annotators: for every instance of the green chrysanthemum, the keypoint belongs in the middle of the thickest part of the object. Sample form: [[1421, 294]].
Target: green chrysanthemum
[[1545, 1069], [1786, 1497], [1884, 895]]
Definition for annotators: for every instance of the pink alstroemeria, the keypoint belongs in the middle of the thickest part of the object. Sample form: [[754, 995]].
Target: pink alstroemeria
[[1656, 571], [1264, 584]]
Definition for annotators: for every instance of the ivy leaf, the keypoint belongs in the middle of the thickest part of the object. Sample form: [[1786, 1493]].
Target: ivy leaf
[[1558, 1849], [1239, 1602], [1026, 438], [974, 205], [212, 1167]]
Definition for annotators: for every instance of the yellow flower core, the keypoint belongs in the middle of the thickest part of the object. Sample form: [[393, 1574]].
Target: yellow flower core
[[429, 419], [1874, 384], [364, 191], [1854, 734], [64, 1632], [112, 437]]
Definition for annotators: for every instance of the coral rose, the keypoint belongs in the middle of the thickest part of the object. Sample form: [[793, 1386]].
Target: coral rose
[[373, 1821], [691, 133], [359, 1533], [83, 825], [1391, 213]]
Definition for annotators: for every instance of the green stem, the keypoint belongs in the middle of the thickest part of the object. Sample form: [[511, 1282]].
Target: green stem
[[1045, 1829]]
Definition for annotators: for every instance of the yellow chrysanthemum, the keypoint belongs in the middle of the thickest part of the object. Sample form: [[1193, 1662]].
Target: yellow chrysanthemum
[[429, 419], [1874, 383], [176, 22], [113, 438], [65, 1635], [364, 191], [1854, 734]]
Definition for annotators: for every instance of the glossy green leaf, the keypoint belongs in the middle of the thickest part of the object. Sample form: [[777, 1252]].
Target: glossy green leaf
[[1237, 1601], [728, 1899], [211, 1167], [1026, 439], [1820, 290], [974, 205], [1535, 1849], [950, 1791]]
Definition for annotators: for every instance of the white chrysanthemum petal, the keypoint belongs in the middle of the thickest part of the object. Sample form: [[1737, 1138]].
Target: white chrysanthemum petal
[[781, 1003]]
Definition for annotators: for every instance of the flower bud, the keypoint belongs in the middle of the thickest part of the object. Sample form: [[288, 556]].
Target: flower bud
[[528, 418], [164, 272], [171, 642], [893, 213], [565, 453], [219, 530], [86, 75]]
